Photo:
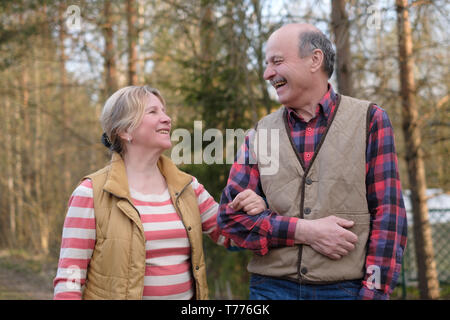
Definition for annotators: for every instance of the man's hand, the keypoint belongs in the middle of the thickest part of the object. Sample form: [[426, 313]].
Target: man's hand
[[327, 236], [249, 201]]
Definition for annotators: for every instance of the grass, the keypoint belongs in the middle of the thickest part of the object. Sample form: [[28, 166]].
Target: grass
[[25, 276], [412, 293]]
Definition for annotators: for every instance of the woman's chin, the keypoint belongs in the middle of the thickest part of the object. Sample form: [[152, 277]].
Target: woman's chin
[[166, 146]]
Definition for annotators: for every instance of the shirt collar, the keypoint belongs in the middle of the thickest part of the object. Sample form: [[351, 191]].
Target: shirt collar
[[324, 106]]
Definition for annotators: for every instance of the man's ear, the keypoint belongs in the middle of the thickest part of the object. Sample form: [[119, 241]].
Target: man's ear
[[316, 60]]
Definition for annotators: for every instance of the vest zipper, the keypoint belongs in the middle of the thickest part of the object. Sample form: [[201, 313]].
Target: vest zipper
[[131, 241], [177, 196]]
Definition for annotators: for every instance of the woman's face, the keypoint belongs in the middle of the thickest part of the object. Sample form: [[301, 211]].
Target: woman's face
[[154, 130]]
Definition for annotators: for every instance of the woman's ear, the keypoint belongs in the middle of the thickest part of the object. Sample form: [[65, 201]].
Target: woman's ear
[[316, 60], [125, 136]]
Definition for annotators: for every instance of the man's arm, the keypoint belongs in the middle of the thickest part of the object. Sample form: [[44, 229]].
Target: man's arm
[[255, 232], [268, 230], [387, 239]]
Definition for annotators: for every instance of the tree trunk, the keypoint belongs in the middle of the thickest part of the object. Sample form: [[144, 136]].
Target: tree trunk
[[10, 169], [109, 51], [341, 26], [62, 96], [18, 174], [206, 37], [266, 101], [132, 38], [140, 40], [38, 65], [428, 280]]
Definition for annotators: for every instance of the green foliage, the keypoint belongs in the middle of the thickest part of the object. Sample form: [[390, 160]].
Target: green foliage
[[226, 269], [215, 82]]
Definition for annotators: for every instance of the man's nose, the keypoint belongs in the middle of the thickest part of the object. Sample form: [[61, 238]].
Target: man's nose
[[268, 73]]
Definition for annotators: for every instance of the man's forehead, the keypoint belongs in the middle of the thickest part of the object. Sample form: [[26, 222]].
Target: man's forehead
[[280, 49]]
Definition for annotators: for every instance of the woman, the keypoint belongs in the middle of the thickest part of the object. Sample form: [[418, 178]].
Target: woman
[[134, 229]]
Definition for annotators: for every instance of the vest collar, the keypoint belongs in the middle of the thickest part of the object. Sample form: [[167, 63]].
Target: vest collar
[[117, 182], [176, 179]]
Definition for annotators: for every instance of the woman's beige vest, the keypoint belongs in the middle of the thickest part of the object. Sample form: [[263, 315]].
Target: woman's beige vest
[[117, 267], [333, 184]]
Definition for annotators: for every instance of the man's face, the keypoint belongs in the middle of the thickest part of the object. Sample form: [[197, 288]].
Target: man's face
[[287, 72]]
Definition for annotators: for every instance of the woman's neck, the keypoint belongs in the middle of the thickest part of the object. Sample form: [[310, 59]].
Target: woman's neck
[[143, 173]]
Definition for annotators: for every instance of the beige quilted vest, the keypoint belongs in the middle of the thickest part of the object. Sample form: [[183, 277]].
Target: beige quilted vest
[[333, 184], [117, 267]]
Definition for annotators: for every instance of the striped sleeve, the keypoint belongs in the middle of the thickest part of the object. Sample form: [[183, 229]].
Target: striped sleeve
[[77, 245], [208, 208]]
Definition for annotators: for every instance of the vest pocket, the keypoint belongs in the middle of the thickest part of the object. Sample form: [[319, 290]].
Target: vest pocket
[[350, 267], [357, 217], [361, 228]]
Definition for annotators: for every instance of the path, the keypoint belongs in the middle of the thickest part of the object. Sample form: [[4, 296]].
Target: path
[[18, 283]]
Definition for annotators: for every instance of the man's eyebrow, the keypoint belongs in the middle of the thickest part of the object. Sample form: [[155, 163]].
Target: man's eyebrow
[[272, 58]]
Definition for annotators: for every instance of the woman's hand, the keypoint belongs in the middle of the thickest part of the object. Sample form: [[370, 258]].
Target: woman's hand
[[249, 201]]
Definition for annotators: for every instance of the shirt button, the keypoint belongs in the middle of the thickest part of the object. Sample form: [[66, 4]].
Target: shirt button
[[189, 228], [304, 270], [309, 181], [197, 267], [307, 211], [308, 129], [308, 155]]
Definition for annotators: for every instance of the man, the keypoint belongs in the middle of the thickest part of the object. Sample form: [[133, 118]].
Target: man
[[336, 223]]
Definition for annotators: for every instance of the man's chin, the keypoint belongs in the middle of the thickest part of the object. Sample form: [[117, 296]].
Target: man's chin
[[283, 101]]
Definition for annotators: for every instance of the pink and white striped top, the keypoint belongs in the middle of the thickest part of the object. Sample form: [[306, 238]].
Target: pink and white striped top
[[168, 267]]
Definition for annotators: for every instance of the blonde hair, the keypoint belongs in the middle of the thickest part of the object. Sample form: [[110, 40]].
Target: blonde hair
[[124, 111]]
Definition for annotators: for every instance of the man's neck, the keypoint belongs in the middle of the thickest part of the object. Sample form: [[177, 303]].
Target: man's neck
[[307, 109]]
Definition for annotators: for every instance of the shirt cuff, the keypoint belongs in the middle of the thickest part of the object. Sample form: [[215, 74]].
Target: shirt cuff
[[372, 294], [282, 233]]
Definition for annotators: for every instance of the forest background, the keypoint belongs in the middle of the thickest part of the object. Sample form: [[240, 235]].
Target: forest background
[[60, 61]]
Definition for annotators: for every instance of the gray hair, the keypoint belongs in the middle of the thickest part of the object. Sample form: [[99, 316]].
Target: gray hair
[[311, 40]]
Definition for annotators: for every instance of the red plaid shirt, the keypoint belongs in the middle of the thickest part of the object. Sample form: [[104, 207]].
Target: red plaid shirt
[[267, 230]]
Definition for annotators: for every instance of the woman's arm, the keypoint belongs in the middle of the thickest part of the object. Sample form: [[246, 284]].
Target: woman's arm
[[248, 200], [77, 245]]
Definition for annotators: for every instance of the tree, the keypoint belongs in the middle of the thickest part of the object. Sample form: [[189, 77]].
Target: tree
[[428, 280], [109, 53], [132, 39], [341, 28]]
